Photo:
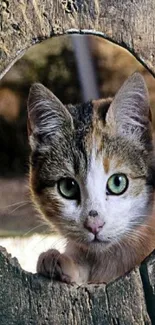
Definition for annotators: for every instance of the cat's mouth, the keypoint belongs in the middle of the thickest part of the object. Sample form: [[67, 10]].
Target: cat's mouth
[[95, 240], [98, 245], [98, 241]]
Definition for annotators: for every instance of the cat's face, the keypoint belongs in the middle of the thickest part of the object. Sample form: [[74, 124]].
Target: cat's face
[[91, 164]]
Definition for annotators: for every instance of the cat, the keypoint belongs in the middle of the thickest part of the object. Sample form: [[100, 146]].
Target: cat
[[92, 178]]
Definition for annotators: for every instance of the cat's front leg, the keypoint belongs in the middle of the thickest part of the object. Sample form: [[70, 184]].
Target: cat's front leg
[[61, 267]]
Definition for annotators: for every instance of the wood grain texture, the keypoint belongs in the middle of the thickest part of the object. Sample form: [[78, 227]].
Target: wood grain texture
[[31, 299], [129, 23]]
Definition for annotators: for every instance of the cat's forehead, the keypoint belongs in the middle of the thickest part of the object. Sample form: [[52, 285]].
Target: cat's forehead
[[72, 152], [115, 154], [93, 141]]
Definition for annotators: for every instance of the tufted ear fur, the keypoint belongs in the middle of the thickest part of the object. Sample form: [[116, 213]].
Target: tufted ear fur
[[47, 116], [129, 112]]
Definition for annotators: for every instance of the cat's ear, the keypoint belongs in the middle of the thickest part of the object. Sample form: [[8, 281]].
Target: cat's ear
[[47, 116], [129, 112]]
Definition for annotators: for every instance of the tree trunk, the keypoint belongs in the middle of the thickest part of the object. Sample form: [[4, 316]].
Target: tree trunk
[[27, 298], [30, 299], [128, 23]]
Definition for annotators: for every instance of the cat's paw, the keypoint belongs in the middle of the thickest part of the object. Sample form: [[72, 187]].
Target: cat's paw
[[56, 266]]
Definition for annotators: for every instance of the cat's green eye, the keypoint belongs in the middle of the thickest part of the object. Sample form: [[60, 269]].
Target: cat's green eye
[[69, 188], [117, 184]]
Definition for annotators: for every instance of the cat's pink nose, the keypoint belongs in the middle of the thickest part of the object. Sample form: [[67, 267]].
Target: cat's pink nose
[[94, 224]]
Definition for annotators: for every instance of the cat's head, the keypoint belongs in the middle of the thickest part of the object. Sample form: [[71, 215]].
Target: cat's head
[[91, 164]]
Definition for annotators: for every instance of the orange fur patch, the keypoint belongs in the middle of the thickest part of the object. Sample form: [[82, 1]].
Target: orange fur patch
[[106, 165]]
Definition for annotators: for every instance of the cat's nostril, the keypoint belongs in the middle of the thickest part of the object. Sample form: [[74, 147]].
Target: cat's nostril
[[93, 213]]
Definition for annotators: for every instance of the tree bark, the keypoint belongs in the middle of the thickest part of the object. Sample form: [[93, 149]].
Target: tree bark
[[27, 298], [30, 299], [129, 23]]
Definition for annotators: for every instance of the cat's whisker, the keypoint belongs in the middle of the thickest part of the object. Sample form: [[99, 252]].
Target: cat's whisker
[[34, 228], [136, 236], [20, 206], [142, 225], [14, 204], [117, 242], [42, 239], [58, 243]]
